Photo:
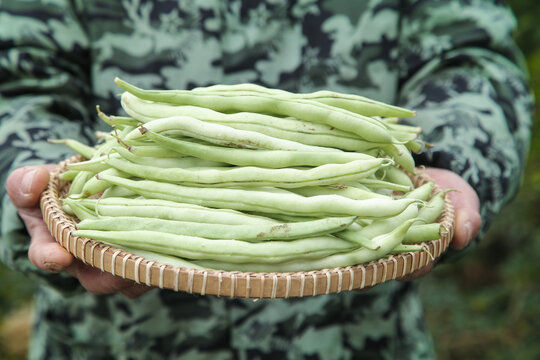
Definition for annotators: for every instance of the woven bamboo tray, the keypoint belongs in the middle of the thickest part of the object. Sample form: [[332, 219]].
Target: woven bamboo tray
[[228, 283]]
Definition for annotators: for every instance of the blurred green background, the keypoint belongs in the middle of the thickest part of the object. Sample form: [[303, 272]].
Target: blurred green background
[[485, 306]]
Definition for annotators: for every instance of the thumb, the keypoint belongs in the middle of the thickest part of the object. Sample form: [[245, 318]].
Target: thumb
[[466, 204], [24, 185]]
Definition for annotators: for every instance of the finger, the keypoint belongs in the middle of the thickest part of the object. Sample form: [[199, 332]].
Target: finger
[[466, 226], [44, 252], [98, 282], [25, 185], [467, 220]]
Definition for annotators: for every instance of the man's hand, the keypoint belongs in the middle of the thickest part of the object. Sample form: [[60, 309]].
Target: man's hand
[[24, 187], [467, 216]]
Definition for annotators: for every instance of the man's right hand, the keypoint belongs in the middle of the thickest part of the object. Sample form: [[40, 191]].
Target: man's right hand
[[24, 186]]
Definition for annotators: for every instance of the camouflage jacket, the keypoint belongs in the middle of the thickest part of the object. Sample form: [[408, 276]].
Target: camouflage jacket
[[453, 61]]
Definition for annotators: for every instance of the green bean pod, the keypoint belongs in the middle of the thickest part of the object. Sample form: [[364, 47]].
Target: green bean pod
[[78, 182], [262, 158], [95, 185], [68, 175], [397, 176], [246, 232], [253, 176], [233, 251], [220, 135], [169, 210], [381, 226], [423, 232], [383, 243], [365, 127], [433, 208], [401, 156], [354, 103], [118, 191], [350, 192], [81, 212], [284, 128], [80, 148], [147, 111], [259, 199]]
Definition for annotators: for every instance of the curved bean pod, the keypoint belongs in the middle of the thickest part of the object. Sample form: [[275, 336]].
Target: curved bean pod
[[381, 226], [80, 148], [341, 190], [384, 244], [252, 176], [220, 134], [354, 103], [257, 199], [367, 128], [246, 232], [234, 251], [423, 232], [147, 111], [262, 158], [169, 210]]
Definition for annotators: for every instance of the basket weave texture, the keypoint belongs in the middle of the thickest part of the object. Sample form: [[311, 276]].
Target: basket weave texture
[[229, 283]]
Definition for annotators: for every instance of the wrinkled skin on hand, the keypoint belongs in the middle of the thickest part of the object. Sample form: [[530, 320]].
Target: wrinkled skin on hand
[[24, 187]]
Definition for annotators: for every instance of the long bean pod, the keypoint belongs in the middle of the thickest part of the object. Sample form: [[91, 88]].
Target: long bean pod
[[365, 127], [248, 232], [383, 243], [234, 251], [354, 103], [253, 176], [257, 199], [170, 210], [262, 158], [220, 135]]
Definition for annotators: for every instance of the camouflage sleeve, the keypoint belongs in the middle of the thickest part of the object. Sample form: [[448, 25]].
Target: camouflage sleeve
[[43, 81], [462, 72]]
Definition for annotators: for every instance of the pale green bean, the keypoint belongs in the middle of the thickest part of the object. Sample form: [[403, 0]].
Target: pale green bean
[[384, 244], [169, 210], [253, 176], [367, 128], [246, 232], [262, 158], [285, 128], [234, 251], [341, 190], [354, 103], [80, 148], [423, 233], [220, 135], [257, 199]]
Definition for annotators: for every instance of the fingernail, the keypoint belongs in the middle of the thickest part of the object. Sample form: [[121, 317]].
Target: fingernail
[[27, 181], [468, 230], [53, 267]]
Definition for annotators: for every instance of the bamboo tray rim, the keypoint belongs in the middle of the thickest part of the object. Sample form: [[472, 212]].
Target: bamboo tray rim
[[235, 284]]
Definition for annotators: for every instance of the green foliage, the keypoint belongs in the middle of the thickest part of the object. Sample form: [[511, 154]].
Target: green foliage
[[16, 289]]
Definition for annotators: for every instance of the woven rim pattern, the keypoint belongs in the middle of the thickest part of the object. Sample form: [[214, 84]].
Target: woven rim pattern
[[230, 283]]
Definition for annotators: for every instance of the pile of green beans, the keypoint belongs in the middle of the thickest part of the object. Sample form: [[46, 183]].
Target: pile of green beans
[[242, 177]]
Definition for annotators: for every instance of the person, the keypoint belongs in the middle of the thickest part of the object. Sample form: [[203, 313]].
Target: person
[[454, 62]]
